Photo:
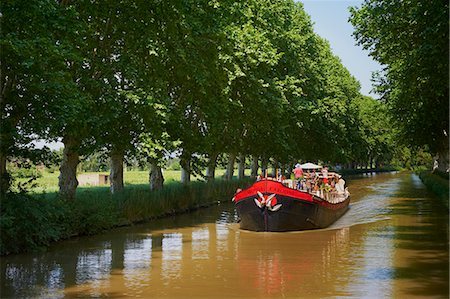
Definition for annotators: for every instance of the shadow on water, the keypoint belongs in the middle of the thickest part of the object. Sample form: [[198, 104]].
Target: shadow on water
[[427, 235]]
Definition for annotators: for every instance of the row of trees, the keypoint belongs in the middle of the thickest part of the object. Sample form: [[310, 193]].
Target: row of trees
[[198, 78], [410, 39]]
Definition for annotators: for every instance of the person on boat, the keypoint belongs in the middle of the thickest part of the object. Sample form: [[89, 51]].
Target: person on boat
[[340, 185], [308, 186], [302, 184], [333, 182], [316, 189], [298, 171], [325, 175], [298, 175]]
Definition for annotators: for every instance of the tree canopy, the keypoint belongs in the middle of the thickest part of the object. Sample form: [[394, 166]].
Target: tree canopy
[[194, 77], [410, 39]]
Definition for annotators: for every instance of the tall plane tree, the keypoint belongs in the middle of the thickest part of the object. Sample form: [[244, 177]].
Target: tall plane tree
[[34, 76]]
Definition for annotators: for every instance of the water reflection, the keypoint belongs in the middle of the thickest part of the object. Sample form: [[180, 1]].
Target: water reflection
[[284, 264], [393, 242], [93, 267], [200, 244], [137, 262], [171, 255]]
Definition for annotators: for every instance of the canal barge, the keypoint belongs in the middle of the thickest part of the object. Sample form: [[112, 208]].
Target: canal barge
[[276, 206]]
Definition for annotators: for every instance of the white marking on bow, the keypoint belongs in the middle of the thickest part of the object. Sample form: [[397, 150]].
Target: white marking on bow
[[269, 200], [263, 200], [257, 202], [261, 196], [275, 208]]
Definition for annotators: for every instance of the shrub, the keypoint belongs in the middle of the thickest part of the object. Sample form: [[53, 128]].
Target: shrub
[[437, 183], [29, 222]]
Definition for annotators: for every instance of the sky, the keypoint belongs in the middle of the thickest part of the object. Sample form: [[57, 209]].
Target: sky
[[330, 18]]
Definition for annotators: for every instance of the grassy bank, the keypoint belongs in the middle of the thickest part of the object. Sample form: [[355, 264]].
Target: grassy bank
[[48, 181], [33, 221], [438, 183]]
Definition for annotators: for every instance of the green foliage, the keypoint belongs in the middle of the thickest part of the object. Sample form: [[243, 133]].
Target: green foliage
[[410, 39], [30, 222], [144, 80], [174, 164], [373, 138], [25, 172], [438, 184], [95, 162], [92, 213], [414, 159]]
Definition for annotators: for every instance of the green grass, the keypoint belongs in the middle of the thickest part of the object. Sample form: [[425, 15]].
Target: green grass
[[48, 182]]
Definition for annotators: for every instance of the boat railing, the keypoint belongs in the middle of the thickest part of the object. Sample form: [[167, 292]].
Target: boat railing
[[328, 193]]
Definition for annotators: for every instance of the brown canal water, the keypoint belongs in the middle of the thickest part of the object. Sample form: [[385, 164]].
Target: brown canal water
[[392, 243]]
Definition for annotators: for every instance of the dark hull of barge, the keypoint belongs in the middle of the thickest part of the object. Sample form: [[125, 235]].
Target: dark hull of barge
[[287, 210]]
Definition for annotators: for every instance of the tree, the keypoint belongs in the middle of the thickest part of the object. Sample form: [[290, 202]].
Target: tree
[[410, 39], [193, 37], [34, 75], [118, 48], [134, 103], [375, 132], [263, 74]]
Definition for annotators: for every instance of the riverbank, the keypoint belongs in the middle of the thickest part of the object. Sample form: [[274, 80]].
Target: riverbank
[[30, 222], [438, 183], [346, 172]]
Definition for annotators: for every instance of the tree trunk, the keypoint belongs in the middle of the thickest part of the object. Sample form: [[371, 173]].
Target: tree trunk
[[116, 172], [289, 167], [156, 177], [4, 175], [241, 167], [185, 162], [283, 171], [254, 167], [443, 156], [264, 164], [211, 167], [6, 144], [274, 168], [68, 182], [230, 166]]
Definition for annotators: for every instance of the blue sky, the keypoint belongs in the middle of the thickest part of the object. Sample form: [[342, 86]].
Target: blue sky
[[330, 18]]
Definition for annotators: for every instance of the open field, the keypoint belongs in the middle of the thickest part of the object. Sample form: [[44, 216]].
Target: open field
[[48, 182]]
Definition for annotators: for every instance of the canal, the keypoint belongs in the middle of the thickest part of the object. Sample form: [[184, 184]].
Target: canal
[[392, 243]]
